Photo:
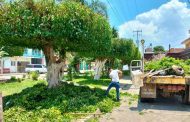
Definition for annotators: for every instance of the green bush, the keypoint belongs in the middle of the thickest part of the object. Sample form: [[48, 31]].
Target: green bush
[[168, 63], [56, 104], [106, 105], [13, 79], [34, 75]]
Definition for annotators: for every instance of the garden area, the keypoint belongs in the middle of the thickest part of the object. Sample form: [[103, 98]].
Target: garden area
[[65, 31], [32, 99]]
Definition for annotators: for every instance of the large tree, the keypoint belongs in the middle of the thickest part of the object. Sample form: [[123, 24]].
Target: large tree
[[54, 28], [122, 49]]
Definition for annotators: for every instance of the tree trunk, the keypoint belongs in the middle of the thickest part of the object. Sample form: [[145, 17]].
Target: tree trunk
[[55, 67], [99, 65], [54, 74]]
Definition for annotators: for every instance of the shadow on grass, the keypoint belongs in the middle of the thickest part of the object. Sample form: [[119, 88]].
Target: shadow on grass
[[91, 82]]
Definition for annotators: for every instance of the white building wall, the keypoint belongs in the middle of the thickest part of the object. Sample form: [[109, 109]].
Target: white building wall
[[7, 64]]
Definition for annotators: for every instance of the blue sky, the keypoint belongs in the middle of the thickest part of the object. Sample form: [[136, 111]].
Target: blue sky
[[163, 22]]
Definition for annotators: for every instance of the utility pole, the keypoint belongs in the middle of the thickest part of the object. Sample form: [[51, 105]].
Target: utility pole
[[142, 43], [138, 33]]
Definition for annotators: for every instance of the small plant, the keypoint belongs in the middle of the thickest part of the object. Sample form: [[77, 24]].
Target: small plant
[[34, 75], [141, 113], [13, 78], [19, 80]]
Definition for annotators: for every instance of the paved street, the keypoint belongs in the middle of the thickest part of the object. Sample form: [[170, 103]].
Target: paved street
[[162, 110]]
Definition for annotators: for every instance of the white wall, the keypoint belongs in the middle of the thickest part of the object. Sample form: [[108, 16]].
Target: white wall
[[7, 64]]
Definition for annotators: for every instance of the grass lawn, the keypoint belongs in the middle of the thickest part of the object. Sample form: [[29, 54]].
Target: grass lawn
[[32, 101], [89, 81], [17, 87]]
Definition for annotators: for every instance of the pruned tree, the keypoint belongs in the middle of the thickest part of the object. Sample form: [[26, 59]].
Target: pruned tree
[[14, 50], [54, 28], [123, 49]]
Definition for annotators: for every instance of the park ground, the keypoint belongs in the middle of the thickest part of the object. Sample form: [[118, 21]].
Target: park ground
[[131, 110]]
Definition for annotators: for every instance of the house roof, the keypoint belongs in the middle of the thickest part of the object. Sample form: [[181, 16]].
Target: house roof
[[149, 50], [176, 50], [186, 41]]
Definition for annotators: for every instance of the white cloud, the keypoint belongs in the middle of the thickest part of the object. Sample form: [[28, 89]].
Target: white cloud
[[169, 24]]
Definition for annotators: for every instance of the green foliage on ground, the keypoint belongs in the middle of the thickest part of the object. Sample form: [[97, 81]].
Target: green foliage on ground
[[167, 62], [56, 104]]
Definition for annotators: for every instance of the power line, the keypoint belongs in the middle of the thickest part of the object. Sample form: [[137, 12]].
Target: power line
[[138, 34], [114, 10], [136, 7]]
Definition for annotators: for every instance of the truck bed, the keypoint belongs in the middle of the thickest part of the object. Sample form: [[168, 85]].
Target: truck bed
[[167, 80]]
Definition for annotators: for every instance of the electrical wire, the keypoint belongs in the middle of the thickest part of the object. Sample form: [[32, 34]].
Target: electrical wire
[[115, 11]]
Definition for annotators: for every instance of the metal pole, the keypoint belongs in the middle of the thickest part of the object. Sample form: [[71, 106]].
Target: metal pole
[[142, 42]]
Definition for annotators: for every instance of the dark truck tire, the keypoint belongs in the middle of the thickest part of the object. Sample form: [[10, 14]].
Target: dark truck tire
[[185, 95]]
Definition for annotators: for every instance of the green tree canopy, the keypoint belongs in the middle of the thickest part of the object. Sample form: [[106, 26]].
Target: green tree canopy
[[68, 26], [159, 49], [115, 33], [14, 50]]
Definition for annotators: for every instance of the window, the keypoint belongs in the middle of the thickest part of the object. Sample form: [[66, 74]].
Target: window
[[13, 63], [35, 52], [36, 61], [37, 66], [29, 66]]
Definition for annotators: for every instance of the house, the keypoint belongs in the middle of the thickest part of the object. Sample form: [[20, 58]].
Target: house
[[186, 53], [17, 64], [36, 56], [148, 54], [86, 66], [174, 52], [181, 53]]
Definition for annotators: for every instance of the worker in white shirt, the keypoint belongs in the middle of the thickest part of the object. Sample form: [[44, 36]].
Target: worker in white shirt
[[114, 75]]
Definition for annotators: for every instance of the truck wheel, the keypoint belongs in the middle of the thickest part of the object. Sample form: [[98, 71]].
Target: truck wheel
[[185, 95]]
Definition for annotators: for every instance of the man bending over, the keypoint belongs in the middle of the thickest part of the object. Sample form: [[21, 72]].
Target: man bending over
[[114, 75]]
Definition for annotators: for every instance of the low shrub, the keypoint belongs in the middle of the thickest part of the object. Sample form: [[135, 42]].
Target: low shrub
[[13, 79], [34, 75]]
